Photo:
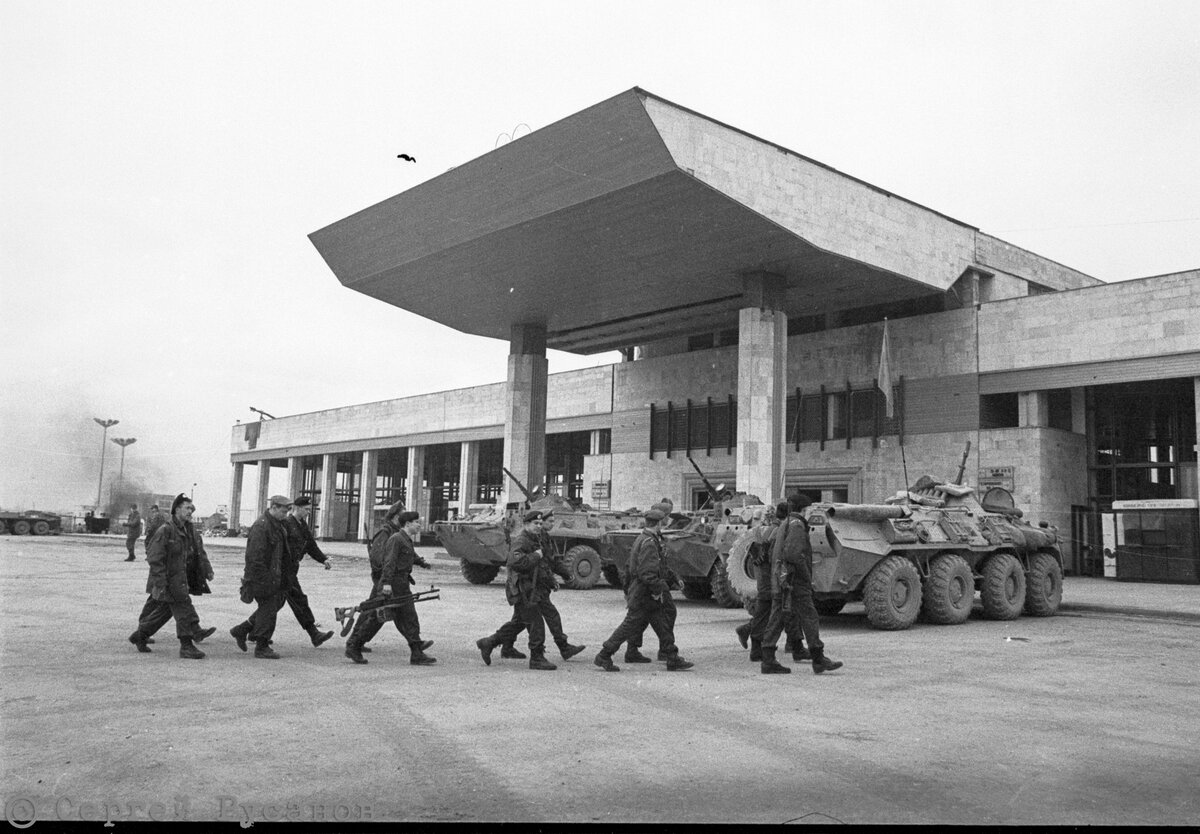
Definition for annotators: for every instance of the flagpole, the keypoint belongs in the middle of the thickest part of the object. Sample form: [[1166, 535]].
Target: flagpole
[[885, 385]]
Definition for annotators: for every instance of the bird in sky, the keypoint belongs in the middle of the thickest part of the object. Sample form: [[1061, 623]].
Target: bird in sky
[[406, 157]]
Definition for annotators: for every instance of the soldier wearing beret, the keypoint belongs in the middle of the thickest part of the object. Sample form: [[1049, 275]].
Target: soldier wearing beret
[[791, 588], [179, 569], [633, 646], [392, 578], [532, 566], [646, 591]]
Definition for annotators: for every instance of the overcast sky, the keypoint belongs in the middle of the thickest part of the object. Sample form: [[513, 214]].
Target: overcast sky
[[163, 164]]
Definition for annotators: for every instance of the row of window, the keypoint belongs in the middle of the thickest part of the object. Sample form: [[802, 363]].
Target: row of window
[[821, 416]]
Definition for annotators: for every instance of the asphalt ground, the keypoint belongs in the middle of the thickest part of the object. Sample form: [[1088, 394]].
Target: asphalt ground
[[1088, 717]]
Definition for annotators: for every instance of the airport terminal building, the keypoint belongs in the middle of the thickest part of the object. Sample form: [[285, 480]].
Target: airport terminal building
[[748, 289]]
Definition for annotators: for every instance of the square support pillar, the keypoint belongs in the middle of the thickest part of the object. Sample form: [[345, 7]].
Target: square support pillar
[[366, 498], [468, 475], [414, 484], [1196, 414], [264, 487], [762, 370], [525, 410], [1033, 409], [324, 530], [235, 496], [295, 475]]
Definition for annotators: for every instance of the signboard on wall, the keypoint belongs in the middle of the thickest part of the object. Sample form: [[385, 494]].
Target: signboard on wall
[[996, 476], [600, 490]]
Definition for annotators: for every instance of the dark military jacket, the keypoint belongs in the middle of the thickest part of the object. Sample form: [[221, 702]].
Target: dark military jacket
[[645, 573], [134, 524], [266, 555], [178, 564], [791, 552], [300, 542], [526, 585], [399, 556]]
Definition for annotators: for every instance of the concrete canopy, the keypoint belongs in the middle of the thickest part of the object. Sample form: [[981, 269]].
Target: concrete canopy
[[637, 217]]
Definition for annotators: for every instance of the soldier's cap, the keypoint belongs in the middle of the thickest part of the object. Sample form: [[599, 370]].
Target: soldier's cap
[[302, 501], [407, 516], [664, 507], [781, 509], [179, 499], [534, 515], [798, 501], [281, 500], [654, 514], [394, 510]]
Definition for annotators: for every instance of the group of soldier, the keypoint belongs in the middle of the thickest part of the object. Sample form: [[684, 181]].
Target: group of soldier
[[280, 538]]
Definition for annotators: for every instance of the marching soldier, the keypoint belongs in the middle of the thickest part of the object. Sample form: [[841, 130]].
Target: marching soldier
[[751, 631], [263, 581], [647, 596], [791, 577], [392, 582], [133, 529], [179, 568]]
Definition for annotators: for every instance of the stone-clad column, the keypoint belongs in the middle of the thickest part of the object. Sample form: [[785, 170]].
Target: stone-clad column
[[324, 530], [1196, 395], [366, 496], [264, 487], [525, 410], [414, 492], [235, 497], [295, 470], [468, 475], [761, 397]]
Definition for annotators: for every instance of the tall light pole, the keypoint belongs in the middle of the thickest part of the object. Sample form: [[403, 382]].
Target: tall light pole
[[122, 442], [105, 424]]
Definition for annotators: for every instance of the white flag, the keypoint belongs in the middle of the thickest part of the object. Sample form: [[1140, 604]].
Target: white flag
[[885, 372]]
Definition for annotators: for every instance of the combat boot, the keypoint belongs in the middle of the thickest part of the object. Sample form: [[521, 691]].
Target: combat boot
[[799, 652], [130, 559], [568, 651], [485, 646], [204, 632], [821, 663], [188, 650], [425, 644], [770, 666], [604, 661], [138, 639], [662, 655], [538, 661], [239, 634], [634, 656], [676, 663], [755, 649], [317, 636], [354, 652], [511, 652], [419, 658], [743, 634], [263, 649]]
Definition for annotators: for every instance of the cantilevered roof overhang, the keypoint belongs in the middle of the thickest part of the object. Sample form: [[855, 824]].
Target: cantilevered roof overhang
[[634, 219]]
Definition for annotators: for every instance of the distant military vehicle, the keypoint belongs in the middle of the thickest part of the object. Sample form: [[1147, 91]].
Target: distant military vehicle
[[481, 541], [696, 545], [926, 552], [31, 521]]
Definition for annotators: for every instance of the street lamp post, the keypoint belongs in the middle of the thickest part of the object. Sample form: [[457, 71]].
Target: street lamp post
[[122, 442], [105, 424]]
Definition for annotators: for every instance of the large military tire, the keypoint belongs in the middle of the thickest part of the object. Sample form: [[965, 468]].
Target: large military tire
[[613, 575], [3, 526], [1003, 591], [20, 527], [583, 563], [1043, 586], [723, 592], [949, 590], [697, 589], [740, 565], [829, 607], [41, 528], [892, 594], [478, 574]]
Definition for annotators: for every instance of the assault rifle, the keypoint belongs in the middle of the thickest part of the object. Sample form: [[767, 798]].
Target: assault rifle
[[345, 615]]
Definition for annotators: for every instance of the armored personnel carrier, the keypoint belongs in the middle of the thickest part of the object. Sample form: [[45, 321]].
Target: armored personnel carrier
[[696, 545], [926, 551], [481, 541]]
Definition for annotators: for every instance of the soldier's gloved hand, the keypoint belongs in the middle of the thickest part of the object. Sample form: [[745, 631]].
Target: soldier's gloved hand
[[209, 574], [421, 563], [411, 581], [328, 564]]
